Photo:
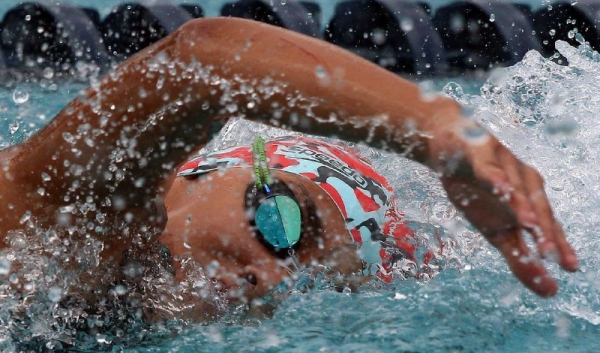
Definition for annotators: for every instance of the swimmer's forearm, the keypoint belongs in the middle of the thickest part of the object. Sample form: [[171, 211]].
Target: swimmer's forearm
[[322, 90]]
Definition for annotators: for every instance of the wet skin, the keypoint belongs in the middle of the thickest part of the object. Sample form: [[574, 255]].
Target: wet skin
[[506, 197], [207, 219]]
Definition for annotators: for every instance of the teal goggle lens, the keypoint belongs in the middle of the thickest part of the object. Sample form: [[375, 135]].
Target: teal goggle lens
[[278, 219]]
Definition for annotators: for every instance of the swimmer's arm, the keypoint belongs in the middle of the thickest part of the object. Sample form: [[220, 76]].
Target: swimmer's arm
[[262, 72], [142, 119]]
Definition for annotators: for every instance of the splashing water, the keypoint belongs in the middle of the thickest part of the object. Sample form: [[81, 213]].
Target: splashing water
[[547, 114], [543, 111]]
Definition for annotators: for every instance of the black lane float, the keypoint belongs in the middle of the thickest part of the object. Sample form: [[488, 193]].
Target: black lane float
[[402, 36], [288, 14], [563, 20], [132, 27], [35, 35], [396, 35], [480, 35]]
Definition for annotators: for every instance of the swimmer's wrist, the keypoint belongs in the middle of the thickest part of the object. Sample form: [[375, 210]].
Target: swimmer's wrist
[[420, 137]]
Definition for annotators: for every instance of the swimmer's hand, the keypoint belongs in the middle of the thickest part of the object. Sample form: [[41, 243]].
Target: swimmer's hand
[[501, 197]]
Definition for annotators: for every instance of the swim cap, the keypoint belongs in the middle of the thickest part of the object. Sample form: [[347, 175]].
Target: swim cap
[[362, 195]]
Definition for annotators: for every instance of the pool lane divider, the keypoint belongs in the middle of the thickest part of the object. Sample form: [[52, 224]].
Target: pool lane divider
[[396, 35], [287, 14], [481, 35], [50, 35], [131, 27], [562, 20], [405, 37]]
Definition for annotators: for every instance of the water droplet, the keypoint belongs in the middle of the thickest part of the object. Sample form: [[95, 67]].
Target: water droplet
[[322, 75], [379, 36], [121, 290], [563, 126], [48, 73], [407, 24], [14, 127], [399, 296], [20, 96], [5, 266], [25, 217], [140, 182], [474, 134], [457, 23], [453, 90], [100, 338], [231, 108], [68, 137], [54, 294], [562, 322], [428, 91], [211, 269]]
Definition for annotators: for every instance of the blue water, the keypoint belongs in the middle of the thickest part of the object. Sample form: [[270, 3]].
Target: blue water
[[546, 113]]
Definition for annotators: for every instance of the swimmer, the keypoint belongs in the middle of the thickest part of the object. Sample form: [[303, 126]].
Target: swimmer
[[114, 153]]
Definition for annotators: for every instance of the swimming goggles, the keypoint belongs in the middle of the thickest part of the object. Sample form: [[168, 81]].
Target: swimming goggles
[[271, 207]]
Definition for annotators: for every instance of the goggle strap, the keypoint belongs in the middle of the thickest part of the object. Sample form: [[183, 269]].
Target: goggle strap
[[261, 170]]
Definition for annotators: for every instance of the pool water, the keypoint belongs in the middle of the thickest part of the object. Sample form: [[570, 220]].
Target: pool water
[[546, 113]]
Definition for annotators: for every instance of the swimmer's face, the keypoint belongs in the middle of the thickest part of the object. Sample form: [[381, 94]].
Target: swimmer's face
[[207, 219]]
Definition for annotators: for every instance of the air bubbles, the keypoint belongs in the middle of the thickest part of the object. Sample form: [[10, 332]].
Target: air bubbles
[[492, 18], [454, 90], [20, 95]]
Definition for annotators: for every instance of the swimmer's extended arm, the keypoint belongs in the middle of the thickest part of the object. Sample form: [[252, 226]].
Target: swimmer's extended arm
[[141, 120]]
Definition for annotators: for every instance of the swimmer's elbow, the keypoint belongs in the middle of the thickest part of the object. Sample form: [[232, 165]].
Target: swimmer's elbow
[[214, 36]]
